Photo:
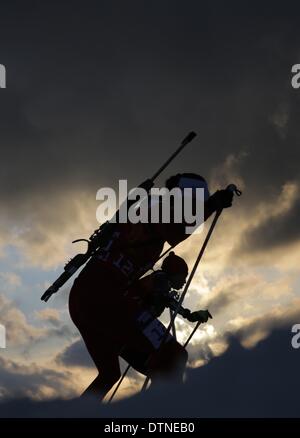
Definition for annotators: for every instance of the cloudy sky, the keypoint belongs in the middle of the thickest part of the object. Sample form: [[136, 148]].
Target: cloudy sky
[[99, 91]]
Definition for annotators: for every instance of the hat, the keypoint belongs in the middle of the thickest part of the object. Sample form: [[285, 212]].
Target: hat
[[174, 264], [189, 180]]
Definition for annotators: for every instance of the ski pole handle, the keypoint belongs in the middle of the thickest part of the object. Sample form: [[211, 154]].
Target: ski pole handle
[[233, 188]]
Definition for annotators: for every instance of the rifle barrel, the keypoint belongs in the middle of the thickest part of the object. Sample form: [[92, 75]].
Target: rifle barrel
[[184, 142]]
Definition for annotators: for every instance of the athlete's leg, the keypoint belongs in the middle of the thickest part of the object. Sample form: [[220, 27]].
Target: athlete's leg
[[167, 362], [105, 355]]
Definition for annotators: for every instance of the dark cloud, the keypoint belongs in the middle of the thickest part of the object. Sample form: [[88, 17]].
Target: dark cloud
[[258, 382], [105, 91], [276, 318], [272, 233], [100, 91], [226, 294], [75, 355], [17, 381]]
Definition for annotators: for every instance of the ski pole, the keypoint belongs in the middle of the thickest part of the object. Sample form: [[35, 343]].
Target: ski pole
[[233, 189], [119, 383], [213, 224], [191, 335], [173, 325]]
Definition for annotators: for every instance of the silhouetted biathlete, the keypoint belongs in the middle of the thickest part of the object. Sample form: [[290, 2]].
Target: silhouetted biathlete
[[147, 300], [99, 302]]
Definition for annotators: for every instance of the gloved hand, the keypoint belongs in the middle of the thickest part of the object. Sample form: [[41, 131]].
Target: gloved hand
[[200, 315], [222, 199]]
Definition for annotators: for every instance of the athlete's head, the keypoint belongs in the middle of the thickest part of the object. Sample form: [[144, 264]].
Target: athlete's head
[[176, 269], [188, 180]]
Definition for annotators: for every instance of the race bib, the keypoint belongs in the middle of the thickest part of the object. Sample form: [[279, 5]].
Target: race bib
[[153, 329]]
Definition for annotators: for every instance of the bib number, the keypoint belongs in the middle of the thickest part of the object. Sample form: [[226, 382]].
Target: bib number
[[152, 329]]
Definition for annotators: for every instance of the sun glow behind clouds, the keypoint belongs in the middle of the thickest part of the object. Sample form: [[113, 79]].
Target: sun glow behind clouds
[[238, 288]]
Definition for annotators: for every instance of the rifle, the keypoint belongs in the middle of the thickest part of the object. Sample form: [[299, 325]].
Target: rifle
[[103, 234]]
